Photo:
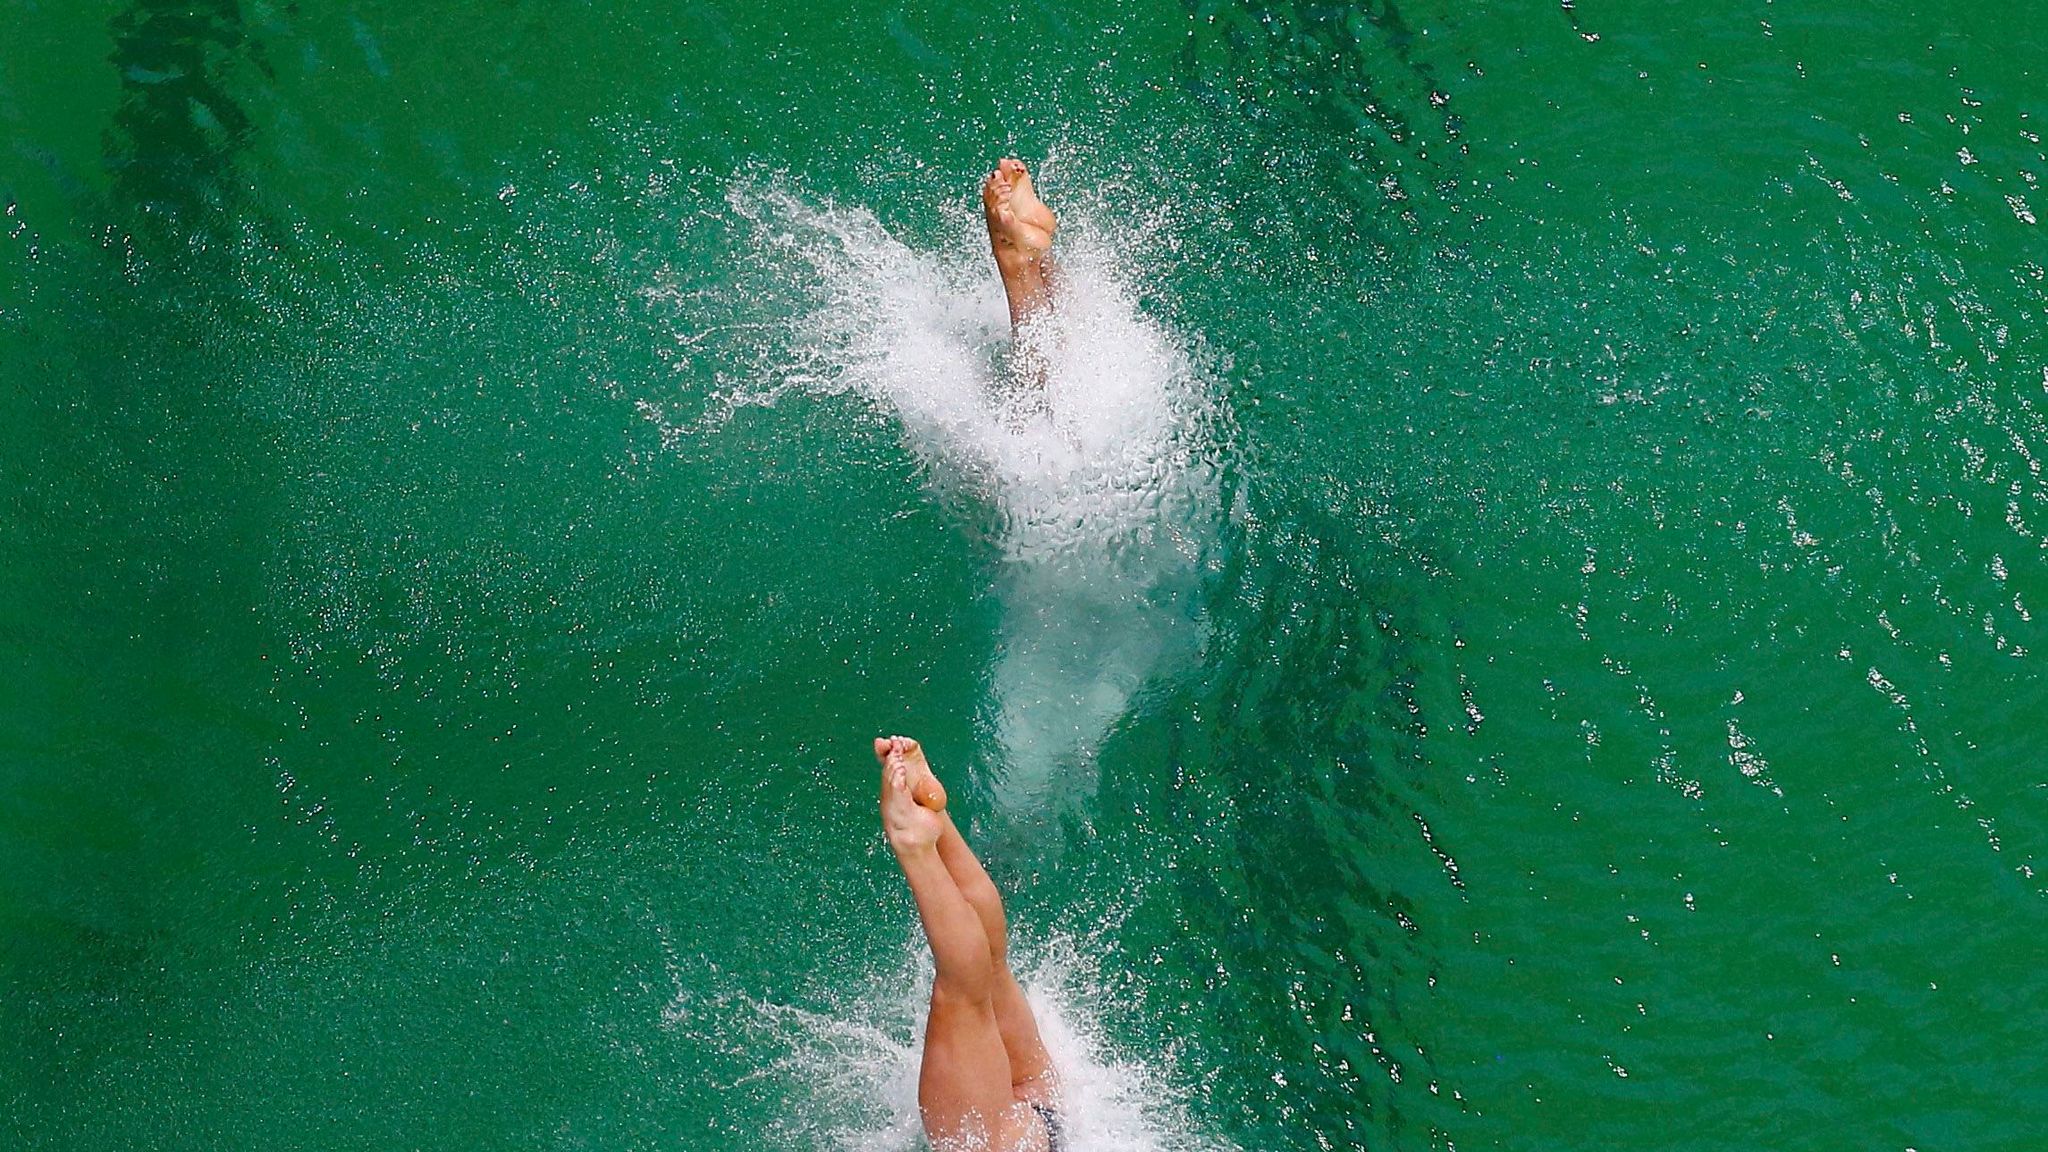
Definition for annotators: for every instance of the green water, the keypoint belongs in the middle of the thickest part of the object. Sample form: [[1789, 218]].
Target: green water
[[1575, 685]]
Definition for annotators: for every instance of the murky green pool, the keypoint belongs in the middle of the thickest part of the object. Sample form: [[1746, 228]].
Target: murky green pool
[[1515, 626]]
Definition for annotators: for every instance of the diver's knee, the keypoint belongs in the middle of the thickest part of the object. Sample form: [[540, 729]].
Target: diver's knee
[[963, 994], [982, 894]]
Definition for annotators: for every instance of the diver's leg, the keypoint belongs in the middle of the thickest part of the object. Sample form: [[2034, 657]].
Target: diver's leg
[[964, 1089], [1020, 231], [1031, 1071]]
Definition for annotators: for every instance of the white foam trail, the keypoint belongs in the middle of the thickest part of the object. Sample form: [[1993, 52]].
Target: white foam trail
[[1099, 484]]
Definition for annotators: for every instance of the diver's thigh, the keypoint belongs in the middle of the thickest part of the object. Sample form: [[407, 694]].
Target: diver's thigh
[[963, 1088], [1030, 1064]]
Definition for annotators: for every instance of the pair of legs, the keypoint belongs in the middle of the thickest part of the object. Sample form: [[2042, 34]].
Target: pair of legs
[[1020, 231], [987, 1083]]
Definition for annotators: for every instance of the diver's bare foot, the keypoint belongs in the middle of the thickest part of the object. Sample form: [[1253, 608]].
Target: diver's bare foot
[[1020, 226], [913, 800], [1020, 231], [924, 784]]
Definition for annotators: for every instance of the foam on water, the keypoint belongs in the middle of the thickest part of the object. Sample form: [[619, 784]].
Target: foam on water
[[1098, 482], [849, 1072]]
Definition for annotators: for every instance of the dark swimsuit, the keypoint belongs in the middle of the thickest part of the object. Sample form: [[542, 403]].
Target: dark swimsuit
[[1055, 1128]]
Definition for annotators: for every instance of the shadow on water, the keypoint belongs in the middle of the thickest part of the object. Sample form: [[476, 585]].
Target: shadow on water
[[1333, 96], [176, 134], [136, 561]]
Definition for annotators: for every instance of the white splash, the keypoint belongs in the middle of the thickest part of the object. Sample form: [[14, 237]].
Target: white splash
[[851, 1072], [1098, 483]]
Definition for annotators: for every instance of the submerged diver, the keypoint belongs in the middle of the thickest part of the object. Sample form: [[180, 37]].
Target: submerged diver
[[987, 1084], [1020, 229]]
